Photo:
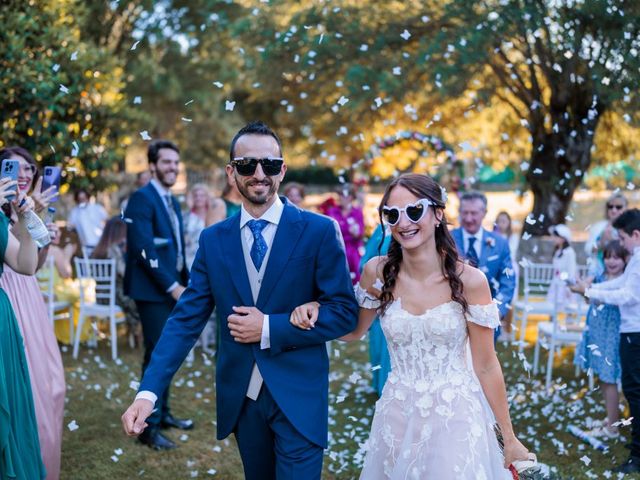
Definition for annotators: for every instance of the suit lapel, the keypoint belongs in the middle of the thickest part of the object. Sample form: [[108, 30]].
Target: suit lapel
[[162, 209], [459, 239], [234, 258], [485, 247], [287, 236]]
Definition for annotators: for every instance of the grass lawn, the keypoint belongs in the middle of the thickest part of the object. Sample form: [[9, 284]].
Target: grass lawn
[[98, 391]]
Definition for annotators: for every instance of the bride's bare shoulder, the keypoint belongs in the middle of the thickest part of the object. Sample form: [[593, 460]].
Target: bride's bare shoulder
[[476, 285], [372, 273]]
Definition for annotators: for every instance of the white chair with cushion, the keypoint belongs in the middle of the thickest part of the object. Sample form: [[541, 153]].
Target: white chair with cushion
[[56, 310], [565, 328], [536, 280], [98, 276]]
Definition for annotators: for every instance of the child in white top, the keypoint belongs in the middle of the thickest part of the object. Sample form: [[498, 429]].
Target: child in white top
[[624, 291]]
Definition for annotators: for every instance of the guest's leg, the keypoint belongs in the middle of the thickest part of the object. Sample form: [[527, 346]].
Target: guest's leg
[[255, 440], [611, 402], [630, 361], [153, 316]]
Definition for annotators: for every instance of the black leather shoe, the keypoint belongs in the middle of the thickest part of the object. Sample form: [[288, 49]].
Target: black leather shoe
[[172, 422], [154, 439], [632, 465]]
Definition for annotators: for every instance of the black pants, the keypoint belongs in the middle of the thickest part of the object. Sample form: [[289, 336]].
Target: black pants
[[153, 316], [630, 363]]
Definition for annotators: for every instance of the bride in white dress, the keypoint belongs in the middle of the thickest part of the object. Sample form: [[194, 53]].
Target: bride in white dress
[[431, 421]]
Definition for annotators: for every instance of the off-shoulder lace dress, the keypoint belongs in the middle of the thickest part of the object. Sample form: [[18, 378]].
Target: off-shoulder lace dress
[[431, 421]]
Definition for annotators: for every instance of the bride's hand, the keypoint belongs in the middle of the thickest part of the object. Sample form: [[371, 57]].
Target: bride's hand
[[514, 451], [305, 316]]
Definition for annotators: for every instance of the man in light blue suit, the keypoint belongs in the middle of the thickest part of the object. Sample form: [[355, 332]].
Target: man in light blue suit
[[255, 268], [485, 250]]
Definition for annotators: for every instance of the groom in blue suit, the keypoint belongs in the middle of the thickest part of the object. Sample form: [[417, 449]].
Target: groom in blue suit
[[485, 250], [255, 268]]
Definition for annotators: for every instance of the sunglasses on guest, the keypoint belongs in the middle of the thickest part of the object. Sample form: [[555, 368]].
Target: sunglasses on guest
[[413, 211], [246, 166], [611, 206]]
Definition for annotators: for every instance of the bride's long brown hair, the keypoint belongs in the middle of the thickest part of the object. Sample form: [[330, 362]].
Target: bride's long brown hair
[[422, 186]]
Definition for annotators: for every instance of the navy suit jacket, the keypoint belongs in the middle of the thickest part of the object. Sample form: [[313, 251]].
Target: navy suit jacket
[[495, 262], [307, 262], [151, 247]]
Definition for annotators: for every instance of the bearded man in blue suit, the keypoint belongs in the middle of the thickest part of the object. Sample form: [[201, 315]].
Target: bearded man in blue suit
[[485, 250], [256, 267]]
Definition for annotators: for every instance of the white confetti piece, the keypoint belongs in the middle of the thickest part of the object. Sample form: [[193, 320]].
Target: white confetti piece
[[218, 84], [64, 89], [405, 35], [145, 135], [229, 106], [135, 45], [137, 100], [72, 426]]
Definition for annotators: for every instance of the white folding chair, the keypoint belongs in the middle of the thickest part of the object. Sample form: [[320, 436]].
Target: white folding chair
[[56, 310], [98, 276], [536, 277], [87, 251], [565, 328]]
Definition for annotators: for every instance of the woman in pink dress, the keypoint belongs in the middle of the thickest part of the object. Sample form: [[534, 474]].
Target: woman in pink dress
[[351, 221], [40, 344]]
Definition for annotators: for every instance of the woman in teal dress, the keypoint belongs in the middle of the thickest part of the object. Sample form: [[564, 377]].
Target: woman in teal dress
[[20, 456], [378, 352]]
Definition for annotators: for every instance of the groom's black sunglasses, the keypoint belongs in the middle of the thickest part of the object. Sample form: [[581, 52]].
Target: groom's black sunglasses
[[246, 166]]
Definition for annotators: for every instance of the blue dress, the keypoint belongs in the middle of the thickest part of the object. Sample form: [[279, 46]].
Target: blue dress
[[378, 352], [599, 348]]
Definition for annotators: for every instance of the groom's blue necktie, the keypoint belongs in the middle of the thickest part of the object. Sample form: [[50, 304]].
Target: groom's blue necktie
[[259, 247]]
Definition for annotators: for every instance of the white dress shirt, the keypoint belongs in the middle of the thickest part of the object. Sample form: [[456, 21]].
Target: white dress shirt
[[272, 215], [477, 246], [624, 292]]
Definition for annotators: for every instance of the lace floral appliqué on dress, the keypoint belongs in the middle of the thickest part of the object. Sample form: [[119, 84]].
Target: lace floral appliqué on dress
[[431, 421]]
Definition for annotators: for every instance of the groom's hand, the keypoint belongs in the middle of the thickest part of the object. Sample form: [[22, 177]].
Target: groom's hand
[[246, 324], [133, 420]]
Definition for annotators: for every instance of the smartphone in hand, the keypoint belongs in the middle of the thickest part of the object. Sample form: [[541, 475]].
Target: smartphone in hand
[[51, 177], [10, 169]]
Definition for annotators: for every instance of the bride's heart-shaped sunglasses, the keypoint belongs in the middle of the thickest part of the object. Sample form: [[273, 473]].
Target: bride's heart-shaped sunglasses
[[413, 211]]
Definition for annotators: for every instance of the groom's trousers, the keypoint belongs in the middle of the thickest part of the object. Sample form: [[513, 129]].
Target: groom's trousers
[[153, 316], [270, 446]]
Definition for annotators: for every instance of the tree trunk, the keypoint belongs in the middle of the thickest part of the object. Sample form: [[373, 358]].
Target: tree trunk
[[559, 160]]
